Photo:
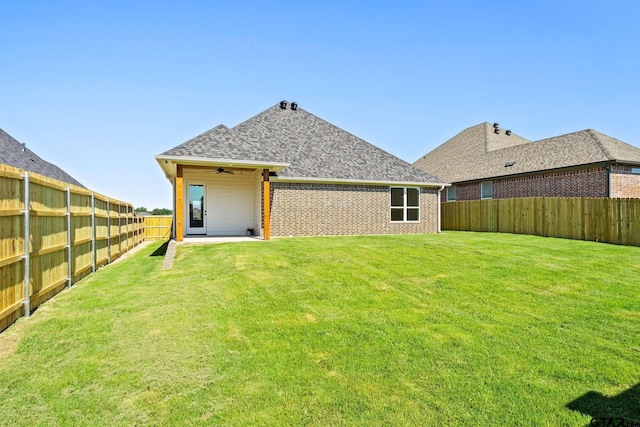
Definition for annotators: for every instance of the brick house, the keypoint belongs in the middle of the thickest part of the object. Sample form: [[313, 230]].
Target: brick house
[[286, 172], [15, 154], [488, 162]]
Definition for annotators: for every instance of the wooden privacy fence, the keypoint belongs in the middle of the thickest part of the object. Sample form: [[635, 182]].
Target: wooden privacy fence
[[596, 219], [51, 235], [157, 227]]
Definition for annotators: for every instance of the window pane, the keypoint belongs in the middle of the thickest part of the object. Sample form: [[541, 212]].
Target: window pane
[[413, 197], [397, 214], [397, 197], [451, 193], [413, 214], [487, 189]]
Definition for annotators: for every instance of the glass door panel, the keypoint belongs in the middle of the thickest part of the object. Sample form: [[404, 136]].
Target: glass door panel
[[196, 208]]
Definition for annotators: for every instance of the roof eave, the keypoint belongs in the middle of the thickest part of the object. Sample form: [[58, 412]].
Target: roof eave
[[624, 162], [537, 171], [359, 182], [169, 163]]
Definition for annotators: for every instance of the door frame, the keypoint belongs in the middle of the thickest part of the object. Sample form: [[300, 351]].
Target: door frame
[[189, 229]]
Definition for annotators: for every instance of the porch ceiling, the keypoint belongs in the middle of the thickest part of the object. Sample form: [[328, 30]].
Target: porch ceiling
[[169, 164]]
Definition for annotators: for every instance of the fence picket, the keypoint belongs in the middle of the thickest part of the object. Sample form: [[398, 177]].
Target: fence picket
[[597, 219]]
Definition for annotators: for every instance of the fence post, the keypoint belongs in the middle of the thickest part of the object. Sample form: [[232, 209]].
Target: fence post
[[126, 209], [108, 232], [27, 249], [93, 233], [69, 237], [119, 229]]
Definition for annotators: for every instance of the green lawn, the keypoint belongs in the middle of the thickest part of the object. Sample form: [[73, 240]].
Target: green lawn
[[450, 329]]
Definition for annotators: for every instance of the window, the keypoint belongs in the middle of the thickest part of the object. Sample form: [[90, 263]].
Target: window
[[486, 190], [451, 194], [405, 204], [635, 170]]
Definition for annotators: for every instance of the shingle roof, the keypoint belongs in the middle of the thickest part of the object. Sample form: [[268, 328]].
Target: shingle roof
[[478, 153], [15, 154], [314, 148]]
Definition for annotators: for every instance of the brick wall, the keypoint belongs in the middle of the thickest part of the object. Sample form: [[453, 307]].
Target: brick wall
[[467, 191], [624, 184], [578, 182], [299, 209], [582, 182]]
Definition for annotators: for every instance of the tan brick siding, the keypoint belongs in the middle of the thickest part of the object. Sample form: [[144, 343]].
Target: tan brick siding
[[624, 184], [299, 209]]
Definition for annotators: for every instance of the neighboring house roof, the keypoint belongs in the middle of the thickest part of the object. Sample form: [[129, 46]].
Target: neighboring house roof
[[478, 153], [304, 146], [15, 154]]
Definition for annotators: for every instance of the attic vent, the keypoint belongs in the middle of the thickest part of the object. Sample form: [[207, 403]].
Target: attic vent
[[283, 105], [508, 132], [24, 146], [495, 128], [509, 164], [294, 106]]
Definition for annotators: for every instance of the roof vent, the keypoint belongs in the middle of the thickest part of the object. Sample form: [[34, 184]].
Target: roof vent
[[495, 125], [495, 128], [508, 132], [24, 146], [294, 106], [509, 164], [283, 105]]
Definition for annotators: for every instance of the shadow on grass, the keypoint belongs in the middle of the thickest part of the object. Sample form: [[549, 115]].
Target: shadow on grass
[[620, 410], [162, 250]]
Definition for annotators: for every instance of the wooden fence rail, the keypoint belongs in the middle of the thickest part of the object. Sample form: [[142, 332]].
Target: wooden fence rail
[[597, 219], [51, 235]]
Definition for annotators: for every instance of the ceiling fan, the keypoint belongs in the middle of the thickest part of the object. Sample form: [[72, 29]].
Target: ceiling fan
[[221, 170]]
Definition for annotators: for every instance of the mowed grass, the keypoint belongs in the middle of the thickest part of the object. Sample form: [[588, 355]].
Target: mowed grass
[[449, 329]]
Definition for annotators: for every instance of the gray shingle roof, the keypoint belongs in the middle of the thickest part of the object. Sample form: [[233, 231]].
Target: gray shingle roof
[[314, 148], [478, 153], [13, 153]]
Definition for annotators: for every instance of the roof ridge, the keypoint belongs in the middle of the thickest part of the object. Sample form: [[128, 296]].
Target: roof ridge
[[356, 136], [218, 128], [599, 143], [328, 123], [260, 113], [486, 136]]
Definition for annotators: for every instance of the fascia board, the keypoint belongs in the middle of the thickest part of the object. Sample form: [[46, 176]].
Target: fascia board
[[359, 182]]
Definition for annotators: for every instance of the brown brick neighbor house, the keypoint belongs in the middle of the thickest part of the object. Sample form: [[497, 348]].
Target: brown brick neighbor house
[[286, 172], [488, 162], [16, 154]]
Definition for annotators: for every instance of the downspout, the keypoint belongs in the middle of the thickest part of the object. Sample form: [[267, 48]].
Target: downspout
[[607, 167], [440, 208]]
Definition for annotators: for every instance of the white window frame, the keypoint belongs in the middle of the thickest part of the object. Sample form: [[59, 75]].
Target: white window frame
[[449, 196], [404, 206], [482, 184]]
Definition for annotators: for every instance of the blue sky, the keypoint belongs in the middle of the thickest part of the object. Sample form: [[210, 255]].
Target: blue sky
[[99, 88]]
